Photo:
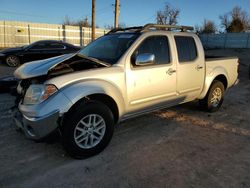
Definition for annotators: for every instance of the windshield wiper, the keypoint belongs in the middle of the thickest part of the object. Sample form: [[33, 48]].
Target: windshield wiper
[[95, 60]]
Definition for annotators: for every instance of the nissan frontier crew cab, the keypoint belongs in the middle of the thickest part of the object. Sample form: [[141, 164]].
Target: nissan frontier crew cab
[[126, 73]]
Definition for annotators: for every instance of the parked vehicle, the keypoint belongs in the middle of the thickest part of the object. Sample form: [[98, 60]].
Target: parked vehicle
[[126, 73], [36, 51], [8, 84]]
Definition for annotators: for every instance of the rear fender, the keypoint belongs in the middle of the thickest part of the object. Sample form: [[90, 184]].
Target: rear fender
[[210, 77]]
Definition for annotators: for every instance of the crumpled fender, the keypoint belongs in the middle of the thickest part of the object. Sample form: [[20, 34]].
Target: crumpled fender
[[76, 91]]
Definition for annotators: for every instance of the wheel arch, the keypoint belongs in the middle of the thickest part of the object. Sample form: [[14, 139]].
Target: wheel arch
[[208, 82], [108, 101], [98, 91], [222, 78], [100, 97]]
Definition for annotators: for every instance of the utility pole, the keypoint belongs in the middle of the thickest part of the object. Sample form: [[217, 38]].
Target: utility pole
[[117, 11], [93, 19]]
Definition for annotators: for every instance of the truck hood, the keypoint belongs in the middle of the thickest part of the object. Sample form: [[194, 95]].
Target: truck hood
[[39, 68]]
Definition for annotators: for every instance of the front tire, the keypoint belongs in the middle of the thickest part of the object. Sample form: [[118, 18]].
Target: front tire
[[87, 129], [214, 98], [12, 61]]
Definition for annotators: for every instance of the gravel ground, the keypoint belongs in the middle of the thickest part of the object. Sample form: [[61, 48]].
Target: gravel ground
[[176, 147], [5, 70]]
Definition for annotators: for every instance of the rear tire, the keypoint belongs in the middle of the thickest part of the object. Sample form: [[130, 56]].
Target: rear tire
[[214, 98], [87, 129], [12, 61]]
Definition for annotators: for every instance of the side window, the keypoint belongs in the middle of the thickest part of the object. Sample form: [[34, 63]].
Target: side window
[[157, 45], [56, 46], [186, 48], [39, 46]]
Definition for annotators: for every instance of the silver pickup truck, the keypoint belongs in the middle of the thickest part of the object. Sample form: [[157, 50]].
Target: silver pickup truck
[[126, 73]]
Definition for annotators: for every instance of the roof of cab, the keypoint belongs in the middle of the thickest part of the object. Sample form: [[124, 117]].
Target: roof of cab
[[152, 27]]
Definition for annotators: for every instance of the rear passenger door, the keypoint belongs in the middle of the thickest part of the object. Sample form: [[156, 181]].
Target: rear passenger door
[[150, 85], [190, 67], [55, 49]]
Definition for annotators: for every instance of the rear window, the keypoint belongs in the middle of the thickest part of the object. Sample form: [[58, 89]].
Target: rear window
[[186, 48]]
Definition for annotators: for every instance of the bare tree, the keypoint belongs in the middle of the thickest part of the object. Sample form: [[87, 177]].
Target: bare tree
[[84, 22], [67, 20], [236, 26], [80, 22], [207, 27], [198, 29], [225, 20], [236, 20], [239, 14], [169, 15], [110, 27]]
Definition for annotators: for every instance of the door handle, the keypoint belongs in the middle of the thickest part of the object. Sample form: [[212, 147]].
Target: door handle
[[198, 67], [170, 71]]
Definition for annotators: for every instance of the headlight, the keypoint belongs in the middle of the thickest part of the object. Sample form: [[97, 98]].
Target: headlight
[[37, 93]]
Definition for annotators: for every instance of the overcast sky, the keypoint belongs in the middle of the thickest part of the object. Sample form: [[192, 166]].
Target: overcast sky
[[132, 12]]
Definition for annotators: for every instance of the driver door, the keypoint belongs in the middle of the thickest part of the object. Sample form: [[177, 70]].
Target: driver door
[[35, 52], [155, 84]]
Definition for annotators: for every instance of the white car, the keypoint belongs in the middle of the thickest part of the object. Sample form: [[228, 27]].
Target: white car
[[126, 73]]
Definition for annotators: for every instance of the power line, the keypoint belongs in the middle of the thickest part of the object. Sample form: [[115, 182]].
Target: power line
[[146, 20], [98, 10], [105, 8], [101, 10], [21, 13]]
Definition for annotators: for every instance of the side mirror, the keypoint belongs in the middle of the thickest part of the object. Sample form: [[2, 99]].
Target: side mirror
[[145, 59]]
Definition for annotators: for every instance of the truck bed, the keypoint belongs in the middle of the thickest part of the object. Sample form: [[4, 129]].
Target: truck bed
[[228, 64], [211, 58]]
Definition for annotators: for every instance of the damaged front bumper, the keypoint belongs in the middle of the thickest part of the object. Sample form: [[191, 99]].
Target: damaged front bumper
[[38, 127], [38, 121]]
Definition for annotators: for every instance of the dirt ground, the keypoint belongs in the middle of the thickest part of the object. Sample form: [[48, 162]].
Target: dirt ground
[[176, 147]]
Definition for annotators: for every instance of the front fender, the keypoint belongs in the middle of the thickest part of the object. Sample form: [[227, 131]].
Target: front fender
[[210, 76], [76, 91]]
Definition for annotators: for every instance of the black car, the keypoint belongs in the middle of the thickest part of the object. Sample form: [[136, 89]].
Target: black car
[[36, 51]]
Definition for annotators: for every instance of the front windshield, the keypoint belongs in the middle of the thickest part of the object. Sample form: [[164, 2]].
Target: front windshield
[[109, 48]]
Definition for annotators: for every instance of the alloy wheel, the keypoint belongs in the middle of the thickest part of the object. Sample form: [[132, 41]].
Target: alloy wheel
[[12, 61], [216, 97], [89, 131]]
